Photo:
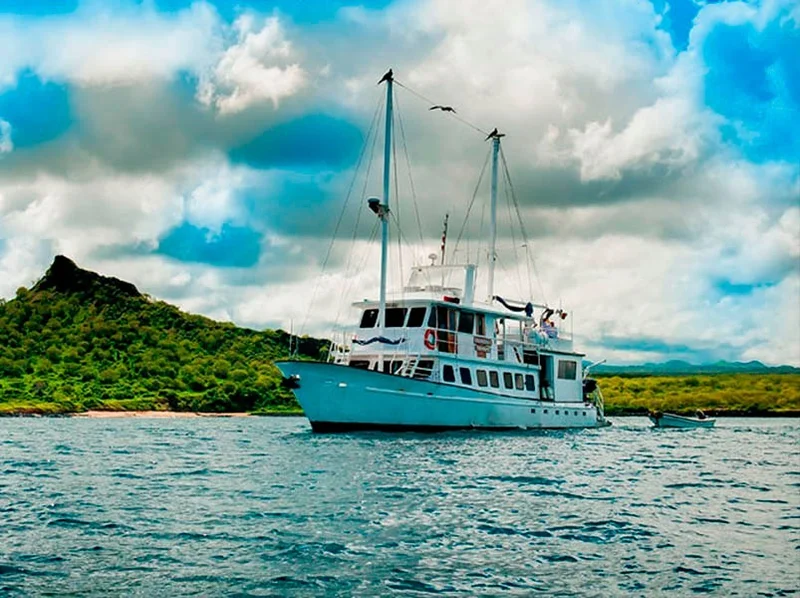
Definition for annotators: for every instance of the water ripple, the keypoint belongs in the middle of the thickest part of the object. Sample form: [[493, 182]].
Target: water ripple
[[261, 506]]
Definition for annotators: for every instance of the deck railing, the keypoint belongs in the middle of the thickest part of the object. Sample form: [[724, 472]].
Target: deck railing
[[512, 347]]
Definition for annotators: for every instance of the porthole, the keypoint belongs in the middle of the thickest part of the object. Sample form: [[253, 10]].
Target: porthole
[[556, 411]]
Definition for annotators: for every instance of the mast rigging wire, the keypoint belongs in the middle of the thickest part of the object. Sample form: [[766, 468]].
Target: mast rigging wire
[[528, 252], [472, 203], [452, 114], [343, 211]]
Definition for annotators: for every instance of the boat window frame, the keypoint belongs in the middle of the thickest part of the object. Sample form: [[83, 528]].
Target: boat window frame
[[451, 377], [494, 379], [395, 323], [450, 320], [530, 383], [371, 311], [508, 380], [569, 371], [465, 375], [480, 324], [482, 378], [466, 316], [416, 310], [519, 381]]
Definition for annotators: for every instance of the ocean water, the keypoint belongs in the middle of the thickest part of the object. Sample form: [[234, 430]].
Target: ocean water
[[263, 507]]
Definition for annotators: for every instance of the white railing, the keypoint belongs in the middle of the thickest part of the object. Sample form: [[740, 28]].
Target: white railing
[[510, 348]]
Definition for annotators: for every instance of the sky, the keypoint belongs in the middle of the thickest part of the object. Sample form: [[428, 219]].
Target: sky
[[204, 151]]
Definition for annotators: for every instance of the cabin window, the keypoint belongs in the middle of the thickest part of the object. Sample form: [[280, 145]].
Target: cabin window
[[395, 317], [494, 379], [567, 370], [480, 324], [530, 383], [369, 318], [466, 376], [465, 322], [482, 380], [508, 380], [424, 369], [448, 374], [416, 317], [361, 364], [518, 381], [443, 318]]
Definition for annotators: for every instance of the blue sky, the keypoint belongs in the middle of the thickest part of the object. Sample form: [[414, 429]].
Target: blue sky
[[203, 150]]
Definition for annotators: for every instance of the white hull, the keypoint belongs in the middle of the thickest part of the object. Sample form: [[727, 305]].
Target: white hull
[[336, 398], [668, 420]]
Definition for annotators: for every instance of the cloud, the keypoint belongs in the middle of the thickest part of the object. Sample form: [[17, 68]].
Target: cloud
[[254, 69], [110, 44], [6, 145]]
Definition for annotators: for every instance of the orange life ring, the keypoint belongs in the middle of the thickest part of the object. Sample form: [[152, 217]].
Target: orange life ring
[[430, 339]]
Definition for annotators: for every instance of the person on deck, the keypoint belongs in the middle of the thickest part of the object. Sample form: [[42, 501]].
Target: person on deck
[[549, 329]]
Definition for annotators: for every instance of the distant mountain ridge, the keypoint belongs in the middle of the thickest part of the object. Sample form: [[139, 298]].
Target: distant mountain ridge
[[677, 367]]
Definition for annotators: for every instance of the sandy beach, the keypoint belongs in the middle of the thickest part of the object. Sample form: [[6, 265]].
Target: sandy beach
[[157, 414]]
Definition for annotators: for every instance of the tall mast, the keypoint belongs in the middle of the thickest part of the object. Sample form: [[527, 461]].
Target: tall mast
[[495, 137], [387, 158]]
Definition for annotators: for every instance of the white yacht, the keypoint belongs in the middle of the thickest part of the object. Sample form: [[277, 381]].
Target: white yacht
[[434, 358]]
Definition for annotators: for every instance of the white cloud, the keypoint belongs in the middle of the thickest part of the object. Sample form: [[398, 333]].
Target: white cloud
[[671, 132], [254, 69], [101, 45], [6, 144]]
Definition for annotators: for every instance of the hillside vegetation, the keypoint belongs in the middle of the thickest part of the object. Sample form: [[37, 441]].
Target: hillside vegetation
[[78, 341], [718, 393]]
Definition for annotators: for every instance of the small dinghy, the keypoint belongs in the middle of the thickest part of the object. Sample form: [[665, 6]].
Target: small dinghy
[[670, 420]]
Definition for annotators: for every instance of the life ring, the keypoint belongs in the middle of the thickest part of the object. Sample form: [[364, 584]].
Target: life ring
[[430, 339]]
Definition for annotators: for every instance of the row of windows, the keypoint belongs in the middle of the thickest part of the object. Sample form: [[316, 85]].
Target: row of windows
[[491, 378], [557, 412], [441, 317], [395, 317]]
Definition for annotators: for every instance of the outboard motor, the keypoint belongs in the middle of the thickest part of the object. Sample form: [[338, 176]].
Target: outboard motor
[[291, 382], [589, 386]]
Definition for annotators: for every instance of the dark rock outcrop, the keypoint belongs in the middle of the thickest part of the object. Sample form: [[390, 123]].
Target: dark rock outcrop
[[64, 276]]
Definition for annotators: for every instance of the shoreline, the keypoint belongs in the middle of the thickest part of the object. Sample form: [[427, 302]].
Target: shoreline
[[166, 414], [153, 414]]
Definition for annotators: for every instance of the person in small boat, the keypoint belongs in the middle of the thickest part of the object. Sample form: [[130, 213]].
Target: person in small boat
[[700, 414]]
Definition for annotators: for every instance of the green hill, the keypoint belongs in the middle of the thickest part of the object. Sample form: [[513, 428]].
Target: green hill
[[78, 340]]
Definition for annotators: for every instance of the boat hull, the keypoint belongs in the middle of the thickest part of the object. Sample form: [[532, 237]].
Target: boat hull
[[669, 420], [337, 398]]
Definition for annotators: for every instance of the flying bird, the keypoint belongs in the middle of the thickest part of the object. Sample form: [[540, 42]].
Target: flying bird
[[443, 108], [387, 77], [494, 134]]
